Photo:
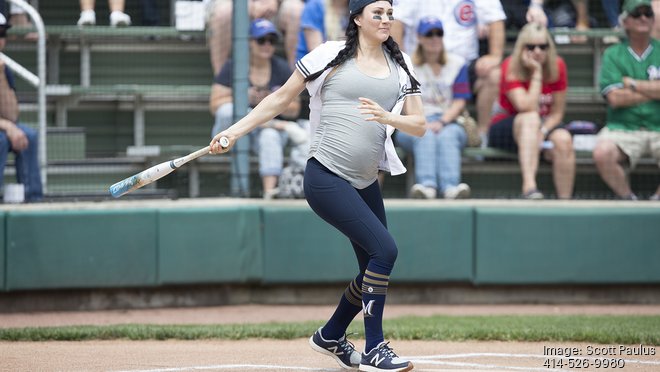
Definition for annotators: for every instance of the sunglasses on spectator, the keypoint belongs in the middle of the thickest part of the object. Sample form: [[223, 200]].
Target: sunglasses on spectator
[[437, 33], [266, 39], [531, 47], [641, 11], [3, 33]]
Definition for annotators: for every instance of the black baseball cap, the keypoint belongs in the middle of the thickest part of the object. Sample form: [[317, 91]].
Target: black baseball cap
[[355, 5], [4, 25]]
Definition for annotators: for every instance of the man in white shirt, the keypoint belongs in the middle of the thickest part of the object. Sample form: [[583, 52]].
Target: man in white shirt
[[464, 22]]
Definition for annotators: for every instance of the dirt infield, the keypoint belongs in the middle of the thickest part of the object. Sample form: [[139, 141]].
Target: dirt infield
[[289, 355], [295, 355]]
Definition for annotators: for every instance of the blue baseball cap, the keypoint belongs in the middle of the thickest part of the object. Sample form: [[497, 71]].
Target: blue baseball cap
[[261, 27], [427, 24]]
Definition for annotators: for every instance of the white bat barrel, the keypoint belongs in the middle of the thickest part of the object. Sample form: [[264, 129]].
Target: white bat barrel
[[157, 171]]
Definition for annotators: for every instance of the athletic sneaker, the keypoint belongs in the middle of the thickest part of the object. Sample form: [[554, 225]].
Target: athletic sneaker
[[340, 350], [87, 18], [533, 194], [419, 191], [382, 358], [271, 194], [630, 197], [460, 191], [119, 19]]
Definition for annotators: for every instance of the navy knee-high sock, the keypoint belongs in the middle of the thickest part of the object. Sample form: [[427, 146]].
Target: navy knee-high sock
[[374, 291], [349, 306]]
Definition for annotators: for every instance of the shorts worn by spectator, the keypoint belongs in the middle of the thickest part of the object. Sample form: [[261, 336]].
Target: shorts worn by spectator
[[15, 137], [553, 14], [285, 15], [531, 109], [630, 82], [477, 18], [520, 12], [19, 18], [117, 16], [267, 74]]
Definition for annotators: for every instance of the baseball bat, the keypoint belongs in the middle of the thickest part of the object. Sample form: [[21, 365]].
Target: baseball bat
[[157, 172]]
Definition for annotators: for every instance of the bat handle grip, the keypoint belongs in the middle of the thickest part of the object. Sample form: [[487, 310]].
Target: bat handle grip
[[224, 142]]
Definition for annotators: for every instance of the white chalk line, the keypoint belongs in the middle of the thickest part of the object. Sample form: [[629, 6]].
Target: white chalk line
[[244, 367], [231, 366], [424, 360], [507, 355], [416, 362]]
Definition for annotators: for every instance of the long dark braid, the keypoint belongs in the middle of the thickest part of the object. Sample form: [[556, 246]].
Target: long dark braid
[[395, 52], [350, 49]]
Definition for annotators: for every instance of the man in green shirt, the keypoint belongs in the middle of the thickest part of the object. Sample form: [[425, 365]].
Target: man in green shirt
[[630, 82]]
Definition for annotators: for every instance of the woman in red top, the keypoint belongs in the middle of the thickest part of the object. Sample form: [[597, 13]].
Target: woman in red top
[[531, 108]]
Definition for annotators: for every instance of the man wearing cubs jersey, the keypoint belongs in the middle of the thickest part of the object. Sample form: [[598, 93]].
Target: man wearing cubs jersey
[[630, 82], [464, 22]]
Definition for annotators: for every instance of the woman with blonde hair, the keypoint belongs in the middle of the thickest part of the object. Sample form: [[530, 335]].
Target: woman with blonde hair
[[531, 108]]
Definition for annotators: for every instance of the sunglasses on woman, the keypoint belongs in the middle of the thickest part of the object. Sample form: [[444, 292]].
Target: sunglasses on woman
[[437, 33], [266, 39], [641, 11], [531, 47]]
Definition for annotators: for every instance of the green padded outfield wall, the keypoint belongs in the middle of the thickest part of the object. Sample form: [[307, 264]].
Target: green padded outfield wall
[[219, 245], [81, 249], [434, 245], [299, 247], [567, 245], [290, 244]]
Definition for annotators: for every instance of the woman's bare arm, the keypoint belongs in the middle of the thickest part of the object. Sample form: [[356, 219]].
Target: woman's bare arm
[[271, 106]]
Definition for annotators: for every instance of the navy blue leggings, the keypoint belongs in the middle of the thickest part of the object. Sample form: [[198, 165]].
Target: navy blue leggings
[[357, 213]]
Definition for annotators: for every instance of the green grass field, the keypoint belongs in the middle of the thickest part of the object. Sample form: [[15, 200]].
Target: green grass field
[[576, 328]]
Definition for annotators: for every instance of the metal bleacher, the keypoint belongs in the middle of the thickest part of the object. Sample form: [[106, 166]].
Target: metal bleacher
[[123, 87]]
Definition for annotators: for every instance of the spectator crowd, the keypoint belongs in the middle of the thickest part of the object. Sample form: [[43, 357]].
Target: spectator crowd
[[471, 86]]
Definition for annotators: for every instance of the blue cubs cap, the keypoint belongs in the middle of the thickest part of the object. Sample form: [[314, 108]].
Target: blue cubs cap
[[261, 27], [354, 6], [427, 24]]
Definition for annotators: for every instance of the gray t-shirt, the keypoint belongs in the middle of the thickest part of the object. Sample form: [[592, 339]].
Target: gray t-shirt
[[344, 142]]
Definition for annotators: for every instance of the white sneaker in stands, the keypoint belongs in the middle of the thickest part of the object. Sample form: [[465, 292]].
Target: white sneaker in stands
[[271, 194], [87, 18], [460, 191], [419, 191], [119, 19]]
